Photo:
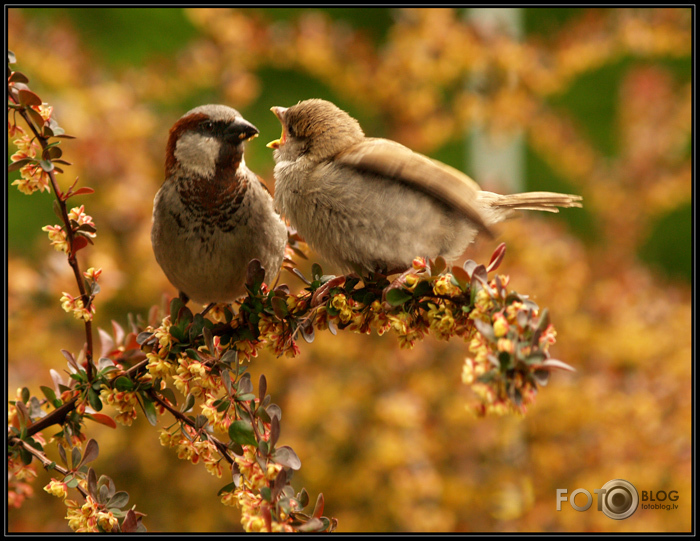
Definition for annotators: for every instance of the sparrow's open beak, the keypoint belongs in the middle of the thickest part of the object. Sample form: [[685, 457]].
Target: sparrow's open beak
[[241, 130], [279, 113]]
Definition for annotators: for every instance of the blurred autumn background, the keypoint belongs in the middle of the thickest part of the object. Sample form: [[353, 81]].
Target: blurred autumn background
[[595, 102]]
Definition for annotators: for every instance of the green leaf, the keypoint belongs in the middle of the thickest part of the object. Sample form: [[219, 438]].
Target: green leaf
[[397, 297], [49, 393], [192, 354], [228, 488], [242, 433], [175, 306], [149, 408], [94, 399], [189, 402], [75, 458], [119, 500], [123, 383]]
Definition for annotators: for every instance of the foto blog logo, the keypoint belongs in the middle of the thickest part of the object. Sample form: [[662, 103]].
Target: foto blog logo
[[618, 499]]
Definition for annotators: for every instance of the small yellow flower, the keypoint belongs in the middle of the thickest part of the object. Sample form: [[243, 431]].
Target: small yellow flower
[[444, 286], [107, 520], [32, 178], [506, 345], [92, 274], [45, 110], [57, 488], [500, 325], [76, 307], [57, 237]]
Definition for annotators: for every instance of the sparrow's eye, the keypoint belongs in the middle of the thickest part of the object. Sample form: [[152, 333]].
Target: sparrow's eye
[[207, 125]]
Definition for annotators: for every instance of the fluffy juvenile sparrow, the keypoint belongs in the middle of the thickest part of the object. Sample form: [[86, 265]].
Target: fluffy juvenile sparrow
[[374, 203], [213, 215]]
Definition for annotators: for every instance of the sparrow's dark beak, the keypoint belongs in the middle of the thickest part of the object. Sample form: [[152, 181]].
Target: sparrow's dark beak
[[279, 113], [241, 130]]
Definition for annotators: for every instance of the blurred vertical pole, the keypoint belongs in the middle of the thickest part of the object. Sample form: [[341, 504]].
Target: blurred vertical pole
[[497, 161]]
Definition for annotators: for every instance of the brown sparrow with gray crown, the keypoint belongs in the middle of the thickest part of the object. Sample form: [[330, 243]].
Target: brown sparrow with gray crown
[[375, 204], [213, 215]]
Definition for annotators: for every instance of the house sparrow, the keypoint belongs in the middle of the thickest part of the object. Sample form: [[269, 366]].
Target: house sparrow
[[374, 203], [213, 215]]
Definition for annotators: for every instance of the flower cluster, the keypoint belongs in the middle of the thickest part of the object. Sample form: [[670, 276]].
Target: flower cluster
[[125, 402], [76, 306], [33, 177], [248, 496], [189, 446], [201, 359], [510, 351], [90, 517]]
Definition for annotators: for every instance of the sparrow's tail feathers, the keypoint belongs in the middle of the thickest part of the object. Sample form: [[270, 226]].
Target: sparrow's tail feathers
[[500, 207]]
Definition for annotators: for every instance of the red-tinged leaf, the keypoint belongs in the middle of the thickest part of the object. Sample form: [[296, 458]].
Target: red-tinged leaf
[[286, 456], [130, 523], [469, 266], [318, 510], [18, 77], [71, 359], [307, 332], [463, 279], [262, 386], [75, 458], [92, 483], [332, 327], [91, 452], [497, 257], [280, 482], [107, 344], [15, 166], [79, 242], [438, 266], [312, 525], [255, 275], [274, 431], [279, 306], [298, 273], [27, 97], [35, 117], [52, 153], [85, 190], [102, 419], [267, 517]]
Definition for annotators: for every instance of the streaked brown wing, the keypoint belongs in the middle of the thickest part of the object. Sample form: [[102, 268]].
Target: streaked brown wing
[[393, 160]]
